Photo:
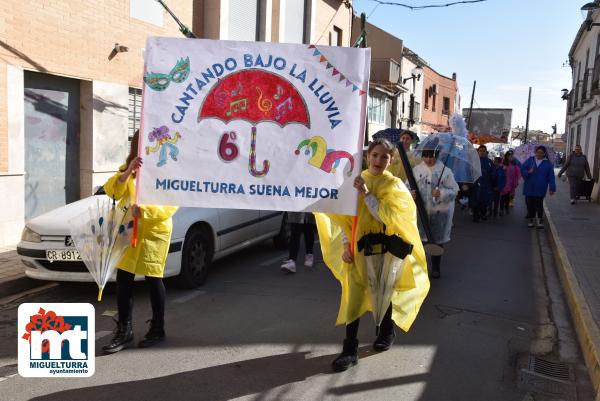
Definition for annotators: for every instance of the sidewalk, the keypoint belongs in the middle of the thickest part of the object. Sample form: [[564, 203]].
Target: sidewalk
[[575, 236], [12, 273]]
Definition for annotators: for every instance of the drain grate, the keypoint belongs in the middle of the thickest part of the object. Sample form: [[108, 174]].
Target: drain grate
[[556, 379], [556, 370]]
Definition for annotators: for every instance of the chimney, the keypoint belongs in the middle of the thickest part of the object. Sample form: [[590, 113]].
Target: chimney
[[454, 76]]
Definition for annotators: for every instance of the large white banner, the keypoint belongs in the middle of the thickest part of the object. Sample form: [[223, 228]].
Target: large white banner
[[251, 125]]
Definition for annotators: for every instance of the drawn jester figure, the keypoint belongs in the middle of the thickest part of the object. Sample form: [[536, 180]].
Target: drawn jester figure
[[164, 142]]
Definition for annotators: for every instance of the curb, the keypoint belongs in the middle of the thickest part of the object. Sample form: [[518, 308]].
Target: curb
[[586, 327]]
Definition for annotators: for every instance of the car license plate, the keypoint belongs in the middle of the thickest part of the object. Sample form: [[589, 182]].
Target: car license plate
[[62, 255]]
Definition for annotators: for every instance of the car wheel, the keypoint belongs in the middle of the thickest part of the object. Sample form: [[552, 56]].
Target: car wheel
[[282, 239], [196, 258]]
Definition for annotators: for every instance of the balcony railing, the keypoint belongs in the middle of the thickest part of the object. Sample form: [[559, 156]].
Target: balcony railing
[[386, 70]]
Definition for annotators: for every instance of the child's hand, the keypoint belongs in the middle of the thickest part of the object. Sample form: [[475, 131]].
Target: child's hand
[[436, 193], [136, 211], [359, 184], [347, 256], [135, 164]]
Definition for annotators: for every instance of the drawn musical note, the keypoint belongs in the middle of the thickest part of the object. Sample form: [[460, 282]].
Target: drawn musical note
[[279, 92], [282, 110], [221, 95], [238, 89], [236, 106], [264, 105]]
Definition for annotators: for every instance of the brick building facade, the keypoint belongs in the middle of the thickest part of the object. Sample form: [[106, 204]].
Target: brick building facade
[[440, 98], [69, 100]]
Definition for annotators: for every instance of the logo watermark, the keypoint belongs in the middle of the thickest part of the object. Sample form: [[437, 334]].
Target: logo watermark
[[56, 340]]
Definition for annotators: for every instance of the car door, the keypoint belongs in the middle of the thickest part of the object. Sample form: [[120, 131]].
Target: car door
[[270, 221], [237, 226]]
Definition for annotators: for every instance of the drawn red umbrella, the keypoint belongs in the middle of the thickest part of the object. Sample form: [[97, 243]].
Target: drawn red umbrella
[[255, 96]]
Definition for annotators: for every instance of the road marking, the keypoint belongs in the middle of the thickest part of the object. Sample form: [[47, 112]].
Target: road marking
[[4, 301], [109, 313], [269, 262], [187, 297], [102, 334]]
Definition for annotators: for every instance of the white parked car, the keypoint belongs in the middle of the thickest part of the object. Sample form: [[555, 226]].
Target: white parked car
[[200, 235]]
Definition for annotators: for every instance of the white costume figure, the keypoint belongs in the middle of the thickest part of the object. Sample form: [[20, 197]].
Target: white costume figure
[[440, 209]]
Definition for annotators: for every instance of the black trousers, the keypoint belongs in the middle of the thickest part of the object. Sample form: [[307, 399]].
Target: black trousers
[[495, 203], [125, 297], [574, 184], [386, 325], [535, 206], [309, 238], [505, 202]]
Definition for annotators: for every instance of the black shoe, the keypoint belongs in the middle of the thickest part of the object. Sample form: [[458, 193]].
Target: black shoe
[[384, 340], [435, 274], [155, 335], [123, 338], [348, 357]]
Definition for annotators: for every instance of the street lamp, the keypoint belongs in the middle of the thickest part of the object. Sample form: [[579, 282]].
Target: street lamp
[[564, 94], [415, 74]]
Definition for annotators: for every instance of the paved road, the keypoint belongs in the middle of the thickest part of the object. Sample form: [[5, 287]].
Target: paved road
[[252, 333]]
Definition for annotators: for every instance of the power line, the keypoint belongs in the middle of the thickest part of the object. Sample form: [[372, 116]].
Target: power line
[[393, 3]]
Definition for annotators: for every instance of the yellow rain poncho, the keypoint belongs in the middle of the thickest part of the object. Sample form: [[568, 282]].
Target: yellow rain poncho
[[154, 230], [397, 211], [397, 168]]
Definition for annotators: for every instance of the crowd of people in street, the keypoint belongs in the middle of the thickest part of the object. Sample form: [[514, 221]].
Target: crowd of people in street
[[378, 256]]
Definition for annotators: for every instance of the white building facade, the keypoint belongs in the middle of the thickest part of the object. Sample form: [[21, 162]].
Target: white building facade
[[582, 124]]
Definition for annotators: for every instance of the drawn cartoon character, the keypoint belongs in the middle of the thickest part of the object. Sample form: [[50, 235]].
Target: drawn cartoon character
[[164, 142]]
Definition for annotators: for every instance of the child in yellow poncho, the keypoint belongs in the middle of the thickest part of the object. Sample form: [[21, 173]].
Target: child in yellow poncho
[[385, 206], [147, 259]]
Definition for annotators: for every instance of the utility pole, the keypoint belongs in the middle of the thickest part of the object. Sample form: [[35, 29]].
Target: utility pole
[[527, 120], [471, 106]]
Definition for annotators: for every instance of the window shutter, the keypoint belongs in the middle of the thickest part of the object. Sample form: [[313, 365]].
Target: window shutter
[[135, 111], [294, 21], [243, 19]]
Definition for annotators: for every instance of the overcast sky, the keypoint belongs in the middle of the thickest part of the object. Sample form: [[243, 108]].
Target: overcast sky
[[505, 45]]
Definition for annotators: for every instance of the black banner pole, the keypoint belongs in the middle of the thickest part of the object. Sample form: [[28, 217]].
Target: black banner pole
[[430, 247]]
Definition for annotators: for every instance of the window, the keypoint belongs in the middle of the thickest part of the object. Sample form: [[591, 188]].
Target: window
[[244, 18], [446, 106], [294, 21], [147, 10], [376, 106], [335, 36], [588, 131], [426, 98], [417, 112], [135, 111], [578, 137], [433, 102]]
